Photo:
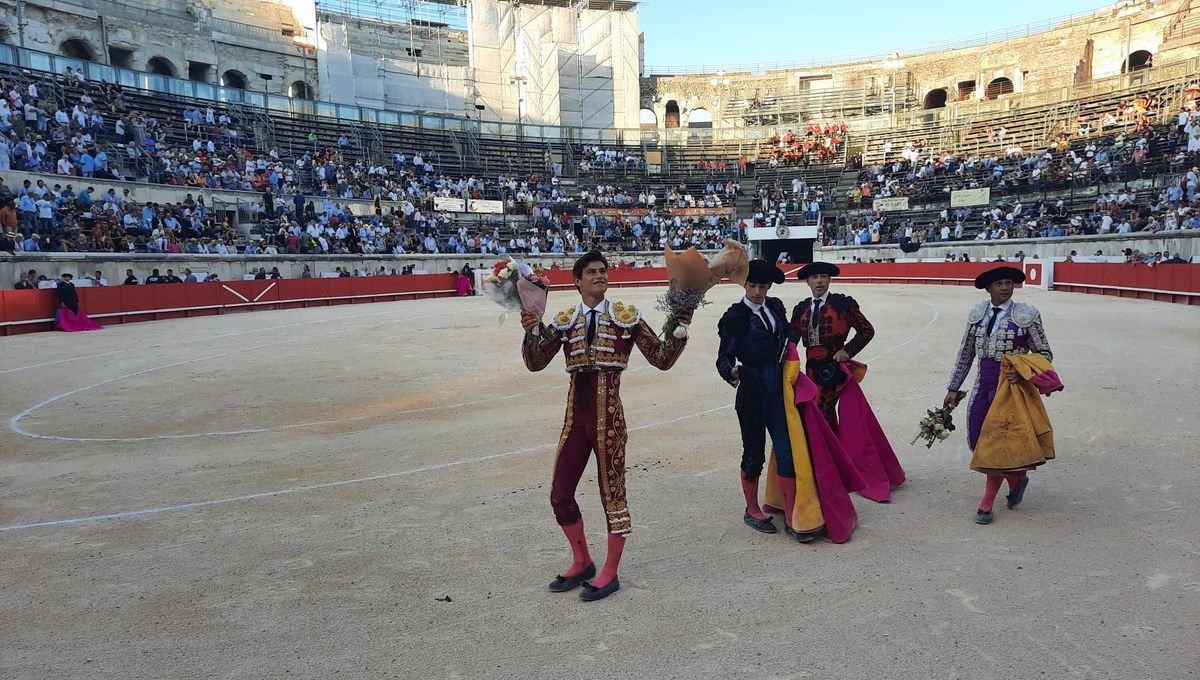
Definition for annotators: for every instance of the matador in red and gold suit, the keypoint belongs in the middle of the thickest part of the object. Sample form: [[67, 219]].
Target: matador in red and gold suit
[[596, 341]]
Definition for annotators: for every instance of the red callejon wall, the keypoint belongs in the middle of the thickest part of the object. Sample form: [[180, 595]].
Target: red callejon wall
[[27, 311], [1168, 283]]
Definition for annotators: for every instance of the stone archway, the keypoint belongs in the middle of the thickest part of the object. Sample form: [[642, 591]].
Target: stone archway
[[299, 90], [1137, 61], [700, 118], [935, 99], [647, 119], [77, 48], [162, 66], [998, 88], [233, 78], [672, 119]]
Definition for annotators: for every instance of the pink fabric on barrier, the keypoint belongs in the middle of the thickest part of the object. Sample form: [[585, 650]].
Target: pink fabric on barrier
[[69, 321]]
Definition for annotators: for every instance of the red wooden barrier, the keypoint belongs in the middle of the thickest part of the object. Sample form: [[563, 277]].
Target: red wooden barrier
[[27, 311], [1178, 283]]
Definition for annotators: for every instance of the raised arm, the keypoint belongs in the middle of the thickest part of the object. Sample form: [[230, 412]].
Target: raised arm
[[662, 354], [539, 350]]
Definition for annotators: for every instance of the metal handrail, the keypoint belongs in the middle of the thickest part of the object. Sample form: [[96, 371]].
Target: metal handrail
[[35, 60]]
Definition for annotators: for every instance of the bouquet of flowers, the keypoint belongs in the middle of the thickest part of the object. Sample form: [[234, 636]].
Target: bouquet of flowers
[[691, 277], [937, 424], [516, 286]]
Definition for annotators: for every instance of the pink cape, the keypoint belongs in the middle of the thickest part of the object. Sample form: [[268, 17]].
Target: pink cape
[[69, 321], [463, 286], [835, 473], [1047, 382], [863, 439]]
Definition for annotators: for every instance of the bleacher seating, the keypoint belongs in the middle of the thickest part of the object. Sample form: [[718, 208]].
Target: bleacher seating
[[690, 159]]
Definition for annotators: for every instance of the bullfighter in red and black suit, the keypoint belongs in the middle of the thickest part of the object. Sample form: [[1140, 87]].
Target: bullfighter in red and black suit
[[825, 338], [823, 322]]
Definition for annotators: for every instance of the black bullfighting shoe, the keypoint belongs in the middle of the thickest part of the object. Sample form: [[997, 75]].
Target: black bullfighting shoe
[[1018, 494], [802, 536], [764, 525], [590, 593], [983, 516], [562, 584]]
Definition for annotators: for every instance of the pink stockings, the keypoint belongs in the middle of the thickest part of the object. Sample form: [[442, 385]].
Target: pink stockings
[[992, 487], [581, 559], [579, 548], [750, 491]]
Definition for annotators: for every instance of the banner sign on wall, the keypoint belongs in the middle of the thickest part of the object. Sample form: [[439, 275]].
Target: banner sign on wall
[[966, 197], [449, 204], [892, 203], [480, 206]]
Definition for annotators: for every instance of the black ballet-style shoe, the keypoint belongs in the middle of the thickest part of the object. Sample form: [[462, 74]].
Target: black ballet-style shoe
[[983, 516], [562, 584], [802, 536], [591, 593], [1018, 494], [767, 526]]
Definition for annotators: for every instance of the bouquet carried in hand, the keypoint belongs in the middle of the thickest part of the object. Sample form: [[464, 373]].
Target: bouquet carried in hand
[[691, 277], [516, 286], [937, 424]]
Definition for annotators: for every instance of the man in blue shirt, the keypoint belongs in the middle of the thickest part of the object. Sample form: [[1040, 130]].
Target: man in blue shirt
[[26, 211], [87, 164]]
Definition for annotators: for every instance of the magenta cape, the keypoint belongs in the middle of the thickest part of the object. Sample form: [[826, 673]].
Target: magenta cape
[[835, 473], [462, 285], [69, 321], [863, 439]]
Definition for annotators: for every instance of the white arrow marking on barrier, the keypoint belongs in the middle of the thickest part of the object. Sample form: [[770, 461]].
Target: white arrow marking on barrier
[[244, 299], [264, 292]]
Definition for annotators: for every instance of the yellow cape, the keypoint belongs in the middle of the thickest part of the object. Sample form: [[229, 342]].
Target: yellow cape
[[1016, 433], [806, 514]]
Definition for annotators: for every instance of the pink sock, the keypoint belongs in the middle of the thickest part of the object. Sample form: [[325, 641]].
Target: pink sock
[[1014, 480], [579, 547], [750, 491], [787, 487], [616, 544], [989, 492]]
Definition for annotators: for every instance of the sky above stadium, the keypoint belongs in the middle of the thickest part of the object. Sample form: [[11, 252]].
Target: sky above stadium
[[688, 32]]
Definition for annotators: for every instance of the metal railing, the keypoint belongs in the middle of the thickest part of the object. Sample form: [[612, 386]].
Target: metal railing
[[248, 30], [679, 137]]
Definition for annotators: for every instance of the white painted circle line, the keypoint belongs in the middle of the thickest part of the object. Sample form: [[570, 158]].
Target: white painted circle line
[[14, 423], [324, 485], [329, 485], [202, 338]]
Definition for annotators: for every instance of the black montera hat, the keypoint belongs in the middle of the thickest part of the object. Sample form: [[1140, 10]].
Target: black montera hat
[[762, 271], [999, 274], [814, 268]]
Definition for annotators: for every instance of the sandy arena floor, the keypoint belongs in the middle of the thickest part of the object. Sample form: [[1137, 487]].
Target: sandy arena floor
[[294, 494]]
